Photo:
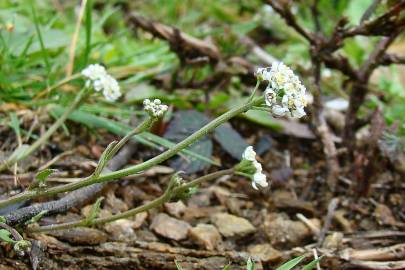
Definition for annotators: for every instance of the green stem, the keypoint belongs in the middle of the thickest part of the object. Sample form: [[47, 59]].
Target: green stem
[[170, 192], [140, 167], [32, 148], [145, 125], [254, 91]]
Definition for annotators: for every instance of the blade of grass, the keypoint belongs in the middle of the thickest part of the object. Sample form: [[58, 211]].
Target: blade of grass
[[69, 68], [291, 263], [312, 264], [41, 41], [88, 26], [15, 124]]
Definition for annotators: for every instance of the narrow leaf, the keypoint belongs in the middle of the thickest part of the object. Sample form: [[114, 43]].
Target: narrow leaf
[[5, 236], [250, 264], [105, 157], [94, 210], [292, 263], [312, 264], [43, 175]]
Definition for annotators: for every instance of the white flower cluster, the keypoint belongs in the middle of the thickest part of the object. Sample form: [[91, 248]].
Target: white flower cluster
[[156, 108], [259, 178], [102, 81], [285, 93]]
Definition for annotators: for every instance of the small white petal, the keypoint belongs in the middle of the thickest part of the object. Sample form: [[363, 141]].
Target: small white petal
[[249, 154], [260, 179], [298, 113], [257, 166], [254, 185], [277, 110]]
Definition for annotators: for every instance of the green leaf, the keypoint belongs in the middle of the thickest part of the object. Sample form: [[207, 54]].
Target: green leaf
[[5, 236], [262, 118], [95, 210], [312, 264], [250, 265], [356, 9], [43, 175], [227, 267], [2, 219], [292, 263], [37, 217], [105, 157]]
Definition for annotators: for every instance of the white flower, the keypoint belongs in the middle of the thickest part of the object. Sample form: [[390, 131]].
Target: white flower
[[249, 154], [94, 72], [155, 108], [102, 81], [259, 178], [285, 94]]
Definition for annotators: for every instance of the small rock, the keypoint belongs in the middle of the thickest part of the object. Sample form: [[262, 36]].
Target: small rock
[[285, 200], [133, 195], [222, 194], [201, 199], [121, 230], [333, 241], [175, 209], [139, 220], [384, 215], [206, 235], [230, 225], [146, 236], [114, 204], [265, 252], [234, 205], [169, 227], [281, 230], [81, 236], [193, 213]]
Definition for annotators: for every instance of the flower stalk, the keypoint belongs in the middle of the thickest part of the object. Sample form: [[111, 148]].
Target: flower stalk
[[174, 189]]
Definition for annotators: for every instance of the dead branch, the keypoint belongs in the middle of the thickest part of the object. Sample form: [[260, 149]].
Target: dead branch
[[389, 59], [391, 265], [395, 252], [187, 47], [282, 8], [383, 25]]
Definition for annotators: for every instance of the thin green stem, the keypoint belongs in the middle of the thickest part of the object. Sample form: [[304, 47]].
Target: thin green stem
[[252, 96], [32, 148], [145, 125], [140, 167], [171, 191]]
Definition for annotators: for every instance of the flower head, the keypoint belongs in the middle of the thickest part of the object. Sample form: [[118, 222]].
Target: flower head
[[285, 94], [101, 81], [250, 165], [155, 107]]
